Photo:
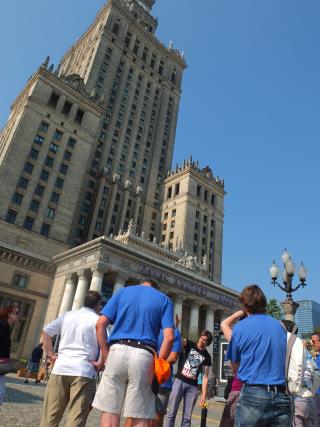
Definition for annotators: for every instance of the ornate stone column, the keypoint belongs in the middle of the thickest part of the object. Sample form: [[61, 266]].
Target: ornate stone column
[[177, 310], [119, 282], [81, 291], [68, 295], [114, 190], [127, 187], [194, 321], [96, 281]]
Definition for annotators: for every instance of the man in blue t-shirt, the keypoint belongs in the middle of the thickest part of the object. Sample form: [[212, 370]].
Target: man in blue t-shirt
[[316, 343], [138, 314], [257, 351]]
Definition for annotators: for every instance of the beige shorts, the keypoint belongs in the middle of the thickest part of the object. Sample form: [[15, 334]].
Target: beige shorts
[[126, 383]]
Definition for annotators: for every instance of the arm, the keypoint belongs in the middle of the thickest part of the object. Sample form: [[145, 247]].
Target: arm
[[101, 327], [204, 386], [173, 356], [167, 342], [47, 345], [227, 324]]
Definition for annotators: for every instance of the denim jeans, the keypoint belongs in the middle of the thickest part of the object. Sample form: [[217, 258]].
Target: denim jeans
[[189, 394], [258, 407]]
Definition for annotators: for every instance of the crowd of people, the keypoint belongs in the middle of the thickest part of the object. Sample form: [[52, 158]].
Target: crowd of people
[[260, 393]]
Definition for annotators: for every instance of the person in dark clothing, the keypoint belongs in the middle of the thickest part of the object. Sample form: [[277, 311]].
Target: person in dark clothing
[[8, 317], [34, 362]]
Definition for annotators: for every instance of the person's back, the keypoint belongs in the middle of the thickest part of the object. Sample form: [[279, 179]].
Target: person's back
[[137, 314], [263, 343]]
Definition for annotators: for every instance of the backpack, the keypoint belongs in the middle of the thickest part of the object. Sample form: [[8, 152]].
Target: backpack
[[302, 373]]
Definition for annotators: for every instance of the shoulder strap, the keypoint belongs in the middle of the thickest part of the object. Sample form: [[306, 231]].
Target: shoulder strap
[[290, 344]]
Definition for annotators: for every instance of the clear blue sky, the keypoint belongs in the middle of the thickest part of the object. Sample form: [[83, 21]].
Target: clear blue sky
[[250, 109]]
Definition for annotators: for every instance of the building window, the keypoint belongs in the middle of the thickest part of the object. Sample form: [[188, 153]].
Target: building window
[[63, 169], [164, 227], [163, 238], [53, 148], [66, 108], [205, 218], [196, 225], [43, 127], [205, 196], [169, 193], [116, 27], [174, 212], [71, 142], [67, 155], [50, 213], [203, 240], [28, 168], [19, 280], [53, 101], [34, 205], [23, 182], [165, 216], [195, 248], [57, 135], [204, 230], [11, 216], [198, 190], [39, 190], [28, 223], [212, 199], [173, 223], [48, 161], [45, 229], [195, 237], [79, 116], [17, 198], [33, 154], [38, 139], [54, 197], [44, 175], [197, 214], [98, 226], [59, 182], [177, 189]]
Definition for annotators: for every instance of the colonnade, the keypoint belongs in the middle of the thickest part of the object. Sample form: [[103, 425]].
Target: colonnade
[[77, 285]]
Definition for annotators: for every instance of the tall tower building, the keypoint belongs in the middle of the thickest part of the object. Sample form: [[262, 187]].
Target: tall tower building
[[192, 215], [138, 80]]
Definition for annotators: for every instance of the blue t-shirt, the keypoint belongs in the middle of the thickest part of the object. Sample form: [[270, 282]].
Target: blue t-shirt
[[176, 348], [138, 312], [259, 344], [318, 364]]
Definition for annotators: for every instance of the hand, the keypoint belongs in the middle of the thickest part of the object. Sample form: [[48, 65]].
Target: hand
[[52, 358], [202, 402], [97, 364]]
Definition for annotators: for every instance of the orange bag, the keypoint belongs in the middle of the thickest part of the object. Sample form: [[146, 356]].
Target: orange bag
[[162, 369]]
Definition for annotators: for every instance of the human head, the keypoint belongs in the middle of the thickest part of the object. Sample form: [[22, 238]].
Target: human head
[[290, 326], [93, 300], [151, 283], [10, 314], [205, 339], [316, 340], [253, 300]]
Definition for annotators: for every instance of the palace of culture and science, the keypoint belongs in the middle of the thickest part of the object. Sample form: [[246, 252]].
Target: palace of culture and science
[[88, 196]]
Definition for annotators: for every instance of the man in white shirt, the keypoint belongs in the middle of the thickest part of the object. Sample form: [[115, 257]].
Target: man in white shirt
[[72, 379]]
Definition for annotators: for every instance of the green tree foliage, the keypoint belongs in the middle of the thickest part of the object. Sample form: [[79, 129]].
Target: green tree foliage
[[274, 309]]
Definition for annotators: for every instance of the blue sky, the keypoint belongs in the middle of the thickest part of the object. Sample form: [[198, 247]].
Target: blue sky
[[250, 110]]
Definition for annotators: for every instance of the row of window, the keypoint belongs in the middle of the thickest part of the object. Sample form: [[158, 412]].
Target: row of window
[[53, 102], [11, 217]]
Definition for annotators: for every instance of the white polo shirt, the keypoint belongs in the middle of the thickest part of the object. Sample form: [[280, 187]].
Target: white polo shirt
[[78, 343]]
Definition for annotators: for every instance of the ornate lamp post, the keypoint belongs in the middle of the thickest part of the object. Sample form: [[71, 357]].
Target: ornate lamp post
[[289, 306]]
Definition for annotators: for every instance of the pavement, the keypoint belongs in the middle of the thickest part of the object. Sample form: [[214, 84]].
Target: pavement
[[23, 405]]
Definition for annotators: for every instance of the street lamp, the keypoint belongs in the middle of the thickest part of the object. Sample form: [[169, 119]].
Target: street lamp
[[289, 306]]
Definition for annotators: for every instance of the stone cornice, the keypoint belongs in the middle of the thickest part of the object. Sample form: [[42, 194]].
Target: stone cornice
[[19, 259], [23, 292]]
